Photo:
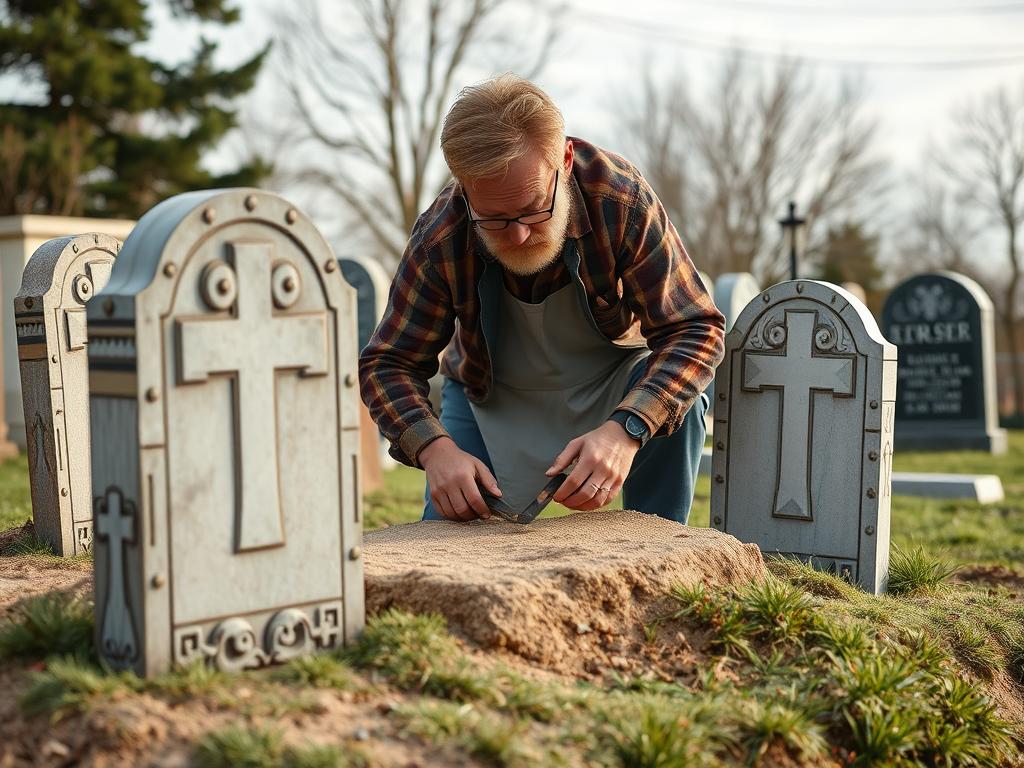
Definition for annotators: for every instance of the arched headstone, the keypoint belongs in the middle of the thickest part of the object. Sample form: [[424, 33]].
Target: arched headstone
[[802, 461], [733, 291], [944, 325], [222, 365], [49, 315], [371, 283]]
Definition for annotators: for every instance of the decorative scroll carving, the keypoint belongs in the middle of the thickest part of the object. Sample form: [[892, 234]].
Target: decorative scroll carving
[[232, 644]]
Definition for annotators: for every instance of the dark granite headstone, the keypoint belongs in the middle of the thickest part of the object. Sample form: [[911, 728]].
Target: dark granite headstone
[[371, 284], [946, 399]]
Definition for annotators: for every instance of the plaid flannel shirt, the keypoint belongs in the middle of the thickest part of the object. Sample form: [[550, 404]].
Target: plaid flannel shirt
[[641, 285]]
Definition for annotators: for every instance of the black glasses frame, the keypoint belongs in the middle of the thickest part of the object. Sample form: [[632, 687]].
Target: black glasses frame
[[487, 224]]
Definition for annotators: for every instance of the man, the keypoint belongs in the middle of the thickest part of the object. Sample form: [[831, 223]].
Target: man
[[580, 334]]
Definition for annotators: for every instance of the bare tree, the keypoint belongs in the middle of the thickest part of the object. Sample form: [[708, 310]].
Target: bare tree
[[371, 82], [727, 164], [987, 165], [940, 230]]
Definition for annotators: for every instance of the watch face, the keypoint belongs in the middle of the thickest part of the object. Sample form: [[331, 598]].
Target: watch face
[[634, 426]]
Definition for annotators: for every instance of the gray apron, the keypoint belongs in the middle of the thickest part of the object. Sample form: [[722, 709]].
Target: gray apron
[[556, 377]]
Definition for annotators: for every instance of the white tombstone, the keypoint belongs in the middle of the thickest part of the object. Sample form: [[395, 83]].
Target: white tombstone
[[733, 291], [222, 364], [49, 315], [802, 462]]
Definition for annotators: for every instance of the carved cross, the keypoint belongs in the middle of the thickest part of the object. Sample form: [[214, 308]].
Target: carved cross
[[251, 347], [115, 524], [799, 372]]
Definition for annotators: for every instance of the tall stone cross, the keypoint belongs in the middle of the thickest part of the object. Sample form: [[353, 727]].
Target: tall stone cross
[[224, 344], [115, 523], [798, 373]]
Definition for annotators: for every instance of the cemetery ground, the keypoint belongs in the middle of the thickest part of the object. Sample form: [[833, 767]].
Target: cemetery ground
[[797, 669]]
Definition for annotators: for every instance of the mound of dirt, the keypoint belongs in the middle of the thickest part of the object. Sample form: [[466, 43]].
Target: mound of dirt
[[556, 592], [26, 576]]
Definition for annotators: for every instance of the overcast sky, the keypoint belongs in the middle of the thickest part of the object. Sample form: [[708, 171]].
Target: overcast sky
[[918, 60]]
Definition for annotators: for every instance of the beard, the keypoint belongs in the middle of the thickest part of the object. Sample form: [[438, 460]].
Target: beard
[[544, 245]]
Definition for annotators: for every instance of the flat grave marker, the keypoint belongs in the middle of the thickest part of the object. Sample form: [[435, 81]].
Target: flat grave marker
[[802, 460], [224, 410]]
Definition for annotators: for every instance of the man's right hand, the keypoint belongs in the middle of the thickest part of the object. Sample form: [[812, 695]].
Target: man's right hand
[[455, 478]]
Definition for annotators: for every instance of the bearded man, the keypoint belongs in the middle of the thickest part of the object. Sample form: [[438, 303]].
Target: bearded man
[[574, 326]]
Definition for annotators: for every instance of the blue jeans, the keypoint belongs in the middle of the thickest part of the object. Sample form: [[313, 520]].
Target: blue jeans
[[660, 482]]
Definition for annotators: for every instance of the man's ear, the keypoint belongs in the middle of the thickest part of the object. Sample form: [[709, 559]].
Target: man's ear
[[567, 158]]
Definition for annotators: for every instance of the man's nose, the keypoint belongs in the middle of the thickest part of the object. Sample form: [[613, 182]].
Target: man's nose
[[518, 233]]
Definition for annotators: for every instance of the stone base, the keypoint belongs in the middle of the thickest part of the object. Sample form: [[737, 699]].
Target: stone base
[[986, 489], [544, 590], [993, 441]]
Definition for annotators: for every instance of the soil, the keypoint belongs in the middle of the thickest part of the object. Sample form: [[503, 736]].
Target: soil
[[569, 594]]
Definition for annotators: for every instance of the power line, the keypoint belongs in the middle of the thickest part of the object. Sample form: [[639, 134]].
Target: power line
[[866, 10], [675, 34]]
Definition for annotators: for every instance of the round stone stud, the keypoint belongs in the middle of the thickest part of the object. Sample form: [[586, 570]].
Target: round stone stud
[[81, 288], [350, 380], [218, 285], [291, 216], [170, 269], [209, 214], [152, 395], [285, 284], [718, 520], [869, 530], [330, 265], [873, 456], [250, 202], [871, 493], [355, 553], [158, 581]]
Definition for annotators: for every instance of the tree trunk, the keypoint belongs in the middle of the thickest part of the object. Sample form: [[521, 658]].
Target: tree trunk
[[1010, 317]]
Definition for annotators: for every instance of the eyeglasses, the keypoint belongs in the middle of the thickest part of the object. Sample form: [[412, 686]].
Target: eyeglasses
[[495, 225]]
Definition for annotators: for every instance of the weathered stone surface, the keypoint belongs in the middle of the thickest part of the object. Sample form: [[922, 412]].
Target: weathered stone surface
[[803, 431], [224, 411], [528, 589], [944, 327], [49, 313]]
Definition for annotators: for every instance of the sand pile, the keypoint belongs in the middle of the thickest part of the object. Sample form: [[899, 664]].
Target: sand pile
[[555, 592]]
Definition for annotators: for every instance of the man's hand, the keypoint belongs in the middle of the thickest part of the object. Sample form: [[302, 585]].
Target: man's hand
[[603, 458], [453, 475]]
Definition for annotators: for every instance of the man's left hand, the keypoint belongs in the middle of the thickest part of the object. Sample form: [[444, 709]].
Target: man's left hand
[[603, 458]]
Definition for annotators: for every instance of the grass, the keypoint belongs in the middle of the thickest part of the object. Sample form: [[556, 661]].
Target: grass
[[236, 747], [801, 668]]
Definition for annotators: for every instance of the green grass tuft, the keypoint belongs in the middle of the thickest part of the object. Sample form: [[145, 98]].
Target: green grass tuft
[[48, 624], [236, 747], [69, 684], [913, 570], [319, 671]]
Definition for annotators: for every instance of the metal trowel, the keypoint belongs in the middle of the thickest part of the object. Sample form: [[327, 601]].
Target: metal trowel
[[534, 508]]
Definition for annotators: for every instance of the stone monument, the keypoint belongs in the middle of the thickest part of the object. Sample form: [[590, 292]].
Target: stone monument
[[802, 460], [224, 409], [372, 284], [49, 315], [733, 291], [943, 324]]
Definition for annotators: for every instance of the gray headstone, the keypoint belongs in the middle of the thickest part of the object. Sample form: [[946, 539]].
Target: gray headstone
[[371, 283], [943, 324], [803, 431], [49, 316], [225, 438]]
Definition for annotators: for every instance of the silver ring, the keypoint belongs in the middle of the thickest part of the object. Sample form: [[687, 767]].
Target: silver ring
[[599, 488]]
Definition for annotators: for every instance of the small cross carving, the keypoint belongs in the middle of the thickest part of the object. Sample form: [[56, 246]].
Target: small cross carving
[[115, 524]]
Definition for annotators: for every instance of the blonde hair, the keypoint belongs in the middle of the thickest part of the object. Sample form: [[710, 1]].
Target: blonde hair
[[498, 121]]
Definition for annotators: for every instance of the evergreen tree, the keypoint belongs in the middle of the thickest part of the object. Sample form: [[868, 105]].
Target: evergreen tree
[[96, 128], [850, 255]]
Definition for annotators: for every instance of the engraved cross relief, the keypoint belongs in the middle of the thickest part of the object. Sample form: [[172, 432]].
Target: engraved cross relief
[[252, 345], [115, 523], [799, 372]]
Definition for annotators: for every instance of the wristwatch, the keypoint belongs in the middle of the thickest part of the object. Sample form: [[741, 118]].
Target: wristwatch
[[635, 426]]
